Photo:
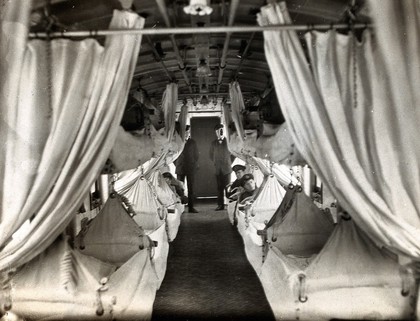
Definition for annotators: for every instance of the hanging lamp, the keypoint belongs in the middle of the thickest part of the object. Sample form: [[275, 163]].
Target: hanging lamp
[[199, 7]]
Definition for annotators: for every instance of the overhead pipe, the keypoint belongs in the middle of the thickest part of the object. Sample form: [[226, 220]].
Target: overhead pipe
[[244, 55], [232, 12], [164, 12], [193, 30]]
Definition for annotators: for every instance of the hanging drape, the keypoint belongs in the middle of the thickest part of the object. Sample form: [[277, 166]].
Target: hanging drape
[[182, 120], [278, 147], [169, 102], [273, 142], [126, 179], [354, 117], [58, 130], [132, 149], [282, 173], [237, 107]]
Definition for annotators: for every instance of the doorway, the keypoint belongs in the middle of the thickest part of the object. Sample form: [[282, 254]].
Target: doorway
[[202, 131]]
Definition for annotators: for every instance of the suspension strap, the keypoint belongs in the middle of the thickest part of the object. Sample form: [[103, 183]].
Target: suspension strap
[[68, 279], [6, 288], [302, 288], [161, 208], [407, 276], [48, 51], [83, 231], [104, 287]]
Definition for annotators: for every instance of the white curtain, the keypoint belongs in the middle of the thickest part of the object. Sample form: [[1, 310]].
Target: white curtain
[[182, 120], [127, 179], [282, 172], [355, 119], [169, 102], [57, 129], [131, 149], [237, 107]]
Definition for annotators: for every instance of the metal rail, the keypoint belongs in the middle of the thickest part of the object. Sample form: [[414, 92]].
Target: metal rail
[[192, 30]]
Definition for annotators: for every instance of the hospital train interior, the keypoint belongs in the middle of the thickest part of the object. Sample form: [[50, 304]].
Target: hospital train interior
[[315, 104]]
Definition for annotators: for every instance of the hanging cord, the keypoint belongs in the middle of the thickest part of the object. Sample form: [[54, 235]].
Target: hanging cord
[[291, 186], [129, 207], [351, 16], [161, 208], [67, 274], [112, 192], [6, 289], [104, 287], [354, 54], [299, 179], [271, 169], [48, 51], [406, 275], [82, 234]]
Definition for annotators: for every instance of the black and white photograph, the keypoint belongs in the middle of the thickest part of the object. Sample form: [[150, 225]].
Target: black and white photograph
[[209, 160]]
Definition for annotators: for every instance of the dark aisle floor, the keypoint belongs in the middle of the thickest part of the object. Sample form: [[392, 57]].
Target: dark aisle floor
[[208, 276]]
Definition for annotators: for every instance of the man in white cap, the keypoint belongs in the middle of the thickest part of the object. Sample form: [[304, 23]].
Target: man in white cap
[[234, 189]]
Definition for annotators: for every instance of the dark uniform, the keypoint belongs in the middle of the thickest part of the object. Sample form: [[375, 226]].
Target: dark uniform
[[221, 158], [186, 166]]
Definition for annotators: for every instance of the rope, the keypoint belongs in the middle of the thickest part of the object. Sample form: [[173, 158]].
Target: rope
[[83, 231], [48, 49], [162, 215], [351, 16], [6, 288], [104, 287], [68, 279], [407, 275]]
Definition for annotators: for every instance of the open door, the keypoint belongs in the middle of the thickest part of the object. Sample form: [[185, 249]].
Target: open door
[[202, 131]]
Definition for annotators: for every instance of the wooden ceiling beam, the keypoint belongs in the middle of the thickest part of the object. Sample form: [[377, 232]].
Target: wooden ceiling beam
[[232, 12], [164, 12]]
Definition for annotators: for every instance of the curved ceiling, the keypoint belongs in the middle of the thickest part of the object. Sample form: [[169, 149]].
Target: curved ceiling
[[183, 58]]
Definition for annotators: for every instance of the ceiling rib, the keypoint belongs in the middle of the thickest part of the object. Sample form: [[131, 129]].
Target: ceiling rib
[[244, 55], [232, 12], [160, 60], [164, 12]]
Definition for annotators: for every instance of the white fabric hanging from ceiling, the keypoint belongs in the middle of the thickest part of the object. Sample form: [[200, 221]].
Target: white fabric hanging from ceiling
[[62, 283], [170, 200], [112, 236], [132, 149], [366, 154], [237, 108], [126, 179], [273, 142], [350, 279], [277, 146], [283, 173], [52, 154], [298, 227], [169, 102], [182, 120]]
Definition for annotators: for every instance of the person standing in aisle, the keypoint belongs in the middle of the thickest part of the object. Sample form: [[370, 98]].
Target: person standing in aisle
[[222, 161], [187, 165]]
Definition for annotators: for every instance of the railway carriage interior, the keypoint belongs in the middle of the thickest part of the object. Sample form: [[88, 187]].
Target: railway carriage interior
[[316, 104]]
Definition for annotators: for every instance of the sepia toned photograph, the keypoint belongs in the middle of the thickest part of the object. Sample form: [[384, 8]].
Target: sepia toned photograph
[[200, 160]]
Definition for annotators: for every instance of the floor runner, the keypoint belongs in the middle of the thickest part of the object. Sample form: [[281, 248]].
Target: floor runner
[[208, 276]]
